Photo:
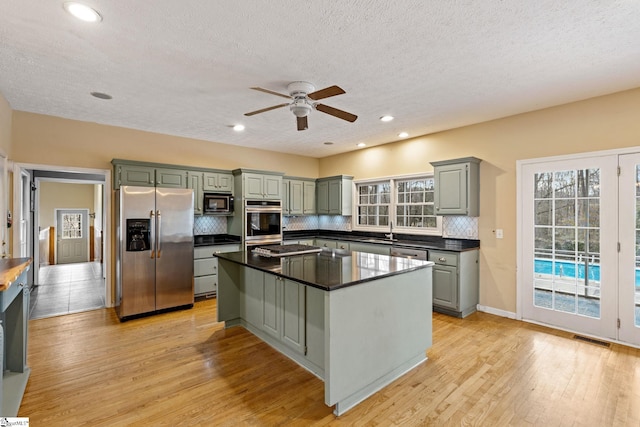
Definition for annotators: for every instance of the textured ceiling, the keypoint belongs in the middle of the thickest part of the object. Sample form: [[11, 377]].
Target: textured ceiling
[[186, 67]]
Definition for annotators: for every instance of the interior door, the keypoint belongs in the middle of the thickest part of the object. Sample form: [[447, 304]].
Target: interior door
[[72, 236], [629, 238], [569, 263]]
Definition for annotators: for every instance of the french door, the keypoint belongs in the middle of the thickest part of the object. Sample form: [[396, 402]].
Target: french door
[[579, 242], [569, 237], [629, 257]]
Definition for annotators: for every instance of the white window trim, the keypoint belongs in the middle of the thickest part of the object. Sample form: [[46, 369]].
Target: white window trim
[[392, 214]]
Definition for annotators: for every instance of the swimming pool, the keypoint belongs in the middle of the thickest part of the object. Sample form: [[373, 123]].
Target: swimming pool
[[568, 269]]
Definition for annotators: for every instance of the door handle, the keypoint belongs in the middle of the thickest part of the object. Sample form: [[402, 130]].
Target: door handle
[[153, 247], [159, 231]]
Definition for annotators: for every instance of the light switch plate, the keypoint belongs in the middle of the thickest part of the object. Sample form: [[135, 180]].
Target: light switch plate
[[499, 234]]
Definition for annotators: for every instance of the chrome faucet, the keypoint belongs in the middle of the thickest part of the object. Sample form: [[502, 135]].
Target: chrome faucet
[[390, 235]]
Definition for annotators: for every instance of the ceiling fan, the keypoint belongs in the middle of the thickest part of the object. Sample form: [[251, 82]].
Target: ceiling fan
[[303, 99]]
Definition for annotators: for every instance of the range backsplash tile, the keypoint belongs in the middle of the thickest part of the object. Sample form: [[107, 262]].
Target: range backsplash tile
[[460, 227], [334, 223], [299, 223], [209, 225]]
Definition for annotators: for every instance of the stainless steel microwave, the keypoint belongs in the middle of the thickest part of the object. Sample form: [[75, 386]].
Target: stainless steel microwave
[[218, 203]]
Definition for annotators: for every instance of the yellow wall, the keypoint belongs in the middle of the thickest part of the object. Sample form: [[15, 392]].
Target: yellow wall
[[6, 114], [63, 196], [55, 141], [601, 123]]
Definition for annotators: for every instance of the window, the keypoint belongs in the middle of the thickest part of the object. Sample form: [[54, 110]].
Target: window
[[407, 202], [71, 226], [415, 203], [374, 201]]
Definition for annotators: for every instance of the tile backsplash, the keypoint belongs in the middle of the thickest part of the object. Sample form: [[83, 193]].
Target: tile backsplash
[[458, 227], [209, 225]]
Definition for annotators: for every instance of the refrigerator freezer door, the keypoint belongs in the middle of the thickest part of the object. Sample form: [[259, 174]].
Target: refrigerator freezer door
[[136, 282], [174, 258]]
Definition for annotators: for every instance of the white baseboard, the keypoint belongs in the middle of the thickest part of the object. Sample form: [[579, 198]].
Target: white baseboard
[[497, 311]]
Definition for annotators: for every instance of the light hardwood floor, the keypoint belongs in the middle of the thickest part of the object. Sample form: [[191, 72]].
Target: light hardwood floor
[[183, 368]]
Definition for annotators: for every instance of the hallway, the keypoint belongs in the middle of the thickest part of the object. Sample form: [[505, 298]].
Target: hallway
[[67, 288]]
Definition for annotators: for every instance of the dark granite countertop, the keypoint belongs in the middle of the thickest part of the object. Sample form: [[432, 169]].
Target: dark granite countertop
[[215, 239], [400, 240], [330, 269]]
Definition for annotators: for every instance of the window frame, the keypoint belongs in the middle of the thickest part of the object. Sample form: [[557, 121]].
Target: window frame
[[393, 204]]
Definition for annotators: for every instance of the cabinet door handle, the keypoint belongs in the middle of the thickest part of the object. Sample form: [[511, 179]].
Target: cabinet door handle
[[441, 259]]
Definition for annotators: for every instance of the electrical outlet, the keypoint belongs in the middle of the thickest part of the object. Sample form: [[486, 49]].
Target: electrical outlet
[[499, 234], [469, 232]]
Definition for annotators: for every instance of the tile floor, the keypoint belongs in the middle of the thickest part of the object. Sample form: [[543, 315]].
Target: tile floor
[[67, 288]]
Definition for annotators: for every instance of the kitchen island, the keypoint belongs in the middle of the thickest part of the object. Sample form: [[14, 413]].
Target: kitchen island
[[356, 320]]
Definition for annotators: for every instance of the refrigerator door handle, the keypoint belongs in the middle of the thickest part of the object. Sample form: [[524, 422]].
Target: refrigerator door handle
[[153, 244], [159, 232]]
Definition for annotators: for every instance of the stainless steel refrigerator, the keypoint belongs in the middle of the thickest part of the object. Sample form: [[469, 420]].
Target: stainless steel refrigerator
[[154, 262]]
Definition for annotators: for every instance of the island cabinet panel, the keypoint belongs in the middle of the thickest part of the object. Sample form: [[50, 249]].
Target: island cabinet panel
[[252, 304], [271, 308], [314, 324], [293, 314]]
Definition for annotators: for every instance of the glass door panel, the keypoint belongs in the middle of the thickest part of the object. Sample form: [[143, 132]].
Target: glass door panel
[[566, 205], [629, 260]]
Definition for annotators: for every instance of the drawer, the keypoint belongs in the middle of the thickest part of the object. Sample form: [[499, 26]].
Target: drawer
[[203, 252], [205, 285], [7, 296], [444, 258], [205, 267]]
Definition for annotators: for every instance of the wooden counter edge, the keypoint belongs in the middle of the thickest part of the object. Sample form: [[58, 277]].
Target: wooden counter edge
[[11, 269]]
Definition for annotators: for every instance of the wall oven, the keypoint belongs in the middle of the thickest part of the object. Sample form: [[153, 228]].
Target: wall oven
[[262, 222]]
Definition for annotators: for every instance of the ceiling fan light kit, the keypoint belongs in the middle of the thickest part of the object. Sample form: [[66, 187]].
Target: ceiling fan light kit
[[303, 95]]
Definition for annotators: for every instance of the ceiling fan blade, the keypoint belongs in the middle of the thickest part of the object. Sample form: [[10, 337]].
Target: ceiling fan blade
[[326, 93], [302, 123], [266, 109], [270, 91], [336, 113]]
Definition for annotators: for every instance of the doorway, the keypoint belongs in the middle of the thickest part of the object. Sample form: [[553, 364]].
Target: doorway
[[72, 204], [579, 244], [72, 236]]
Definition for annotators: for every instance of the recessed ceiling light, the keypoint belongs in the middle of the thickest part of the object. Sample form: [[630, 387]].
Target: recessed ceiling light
[[328, 143], [82, 11], [238, 128], [403, 134], [361, 144], [101, 95], [386, 118]]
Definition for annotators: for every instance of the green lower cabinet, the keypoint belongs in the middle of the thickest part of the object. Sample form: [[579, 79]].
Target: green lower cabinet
[[271, 306], [293, 314], [278, 307], [252, 311]]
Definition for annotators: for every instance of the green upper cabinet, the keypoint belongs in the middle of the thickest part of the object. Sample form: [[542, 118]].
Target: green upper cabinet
[[171, 178], [218, 182], [457, 186], [334, 195], [148, 176], [299, 196], [142, 176], [309, 197], [258, 185], [194, 181]]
